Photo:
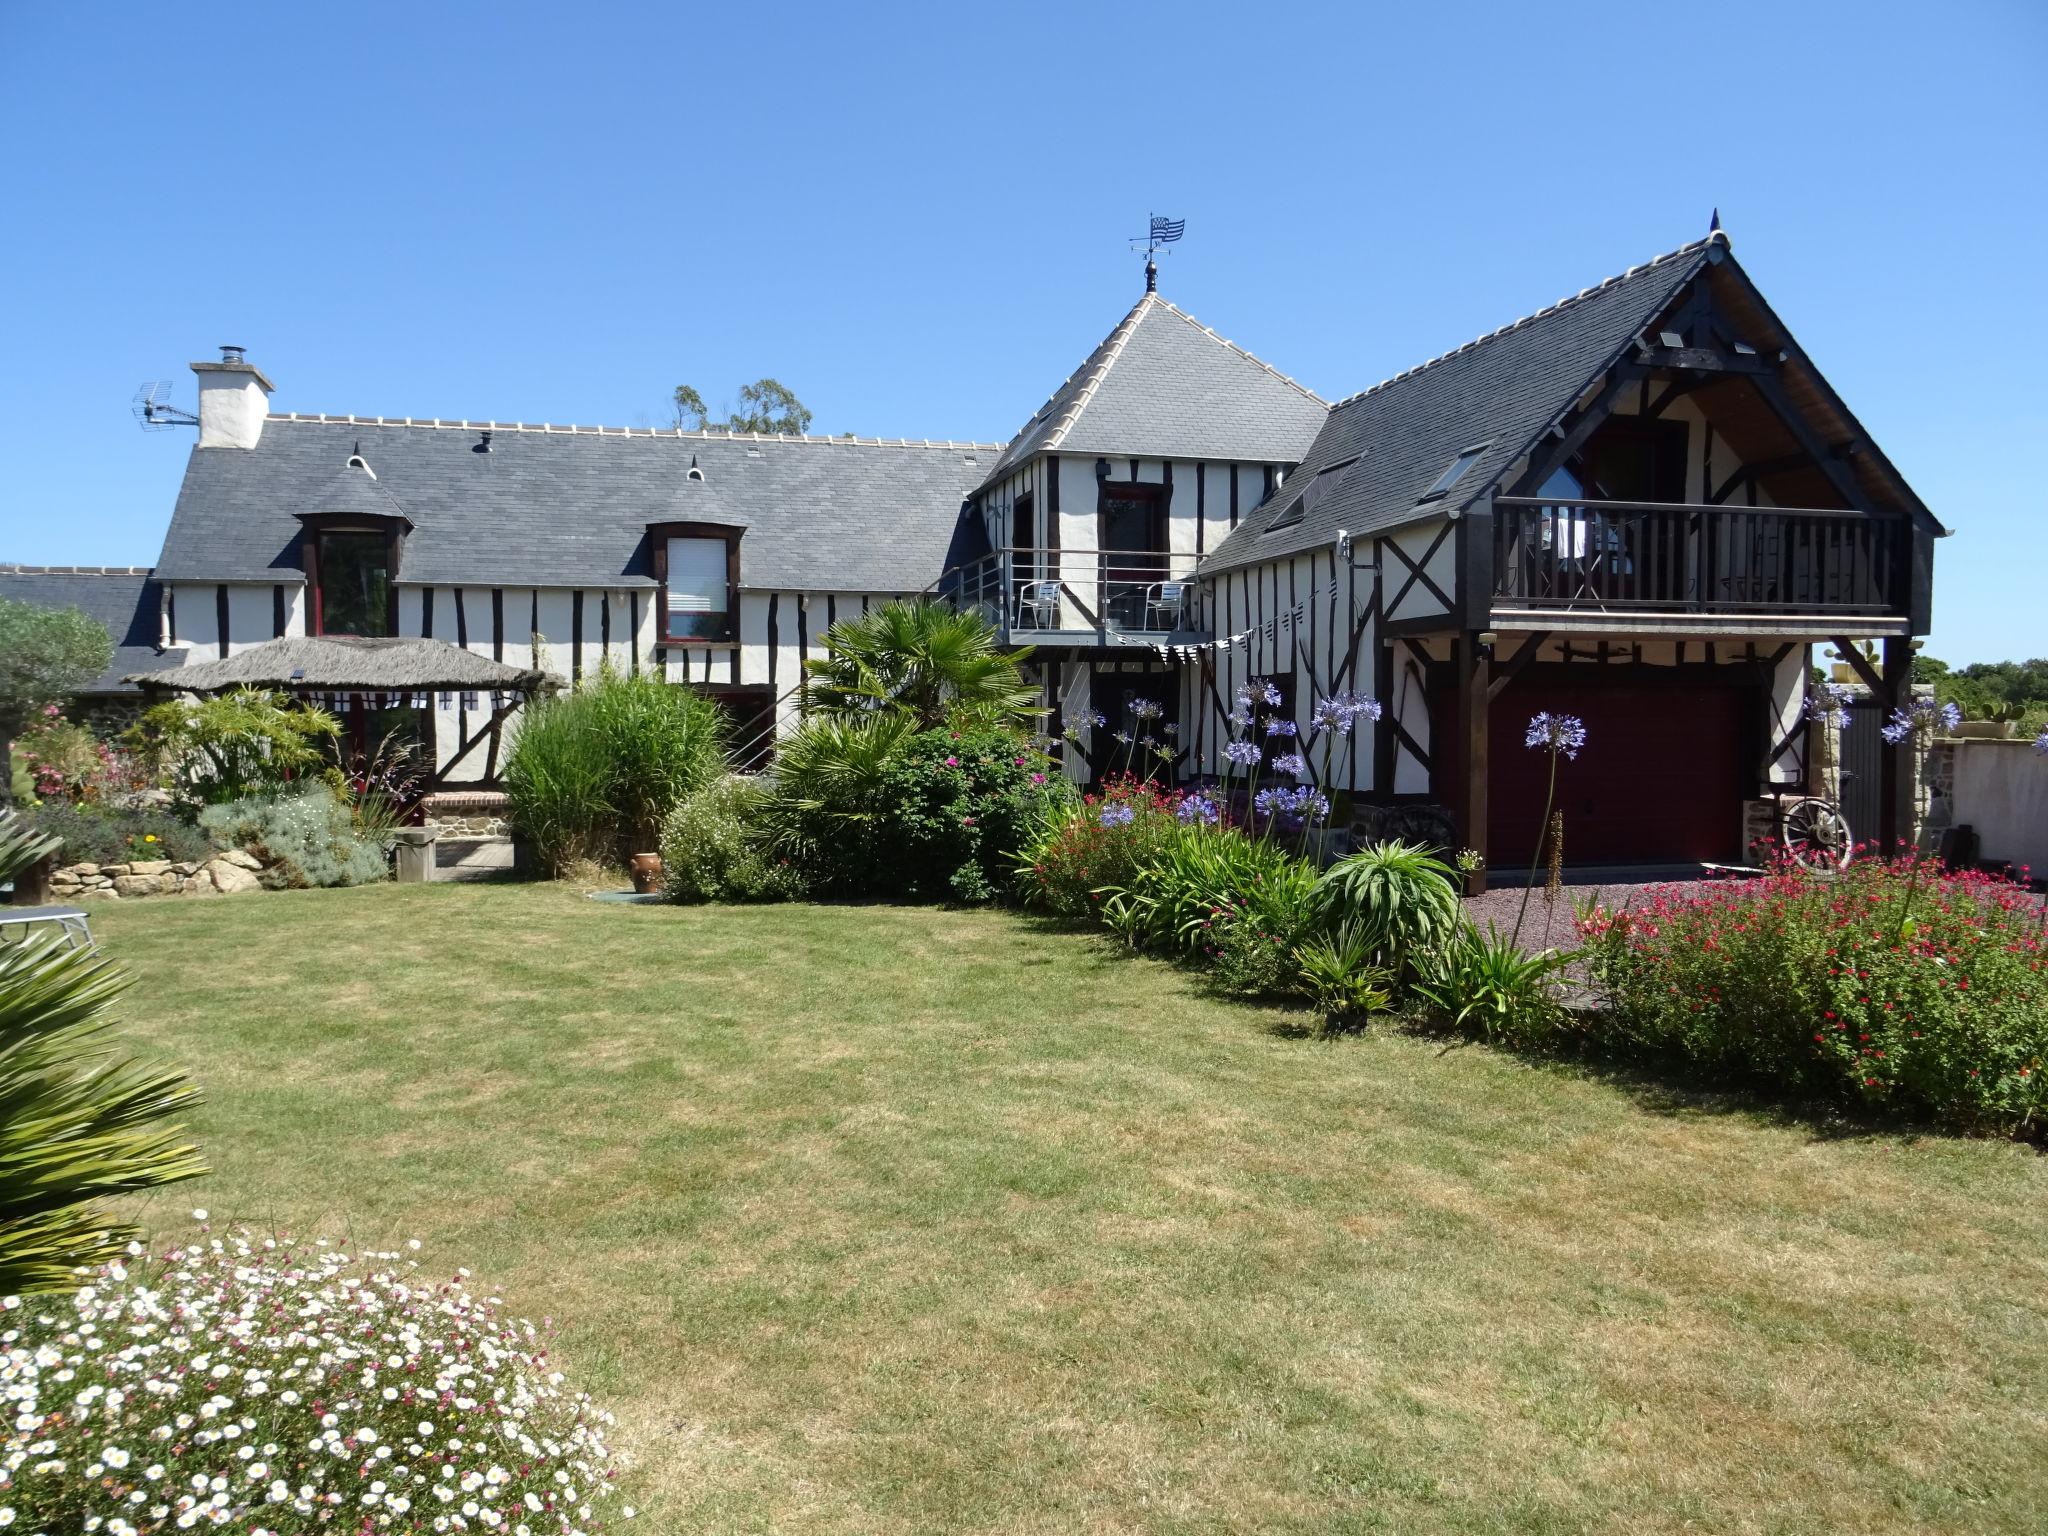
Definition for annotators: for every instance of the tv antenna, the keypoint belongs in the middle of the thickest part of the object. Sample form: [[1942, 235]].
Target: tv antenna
[[154, 411], [1163, 233]]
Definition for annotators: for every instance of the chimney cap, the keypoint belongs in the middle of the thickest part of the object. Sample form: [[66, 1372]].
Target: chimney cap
[[234, 359]]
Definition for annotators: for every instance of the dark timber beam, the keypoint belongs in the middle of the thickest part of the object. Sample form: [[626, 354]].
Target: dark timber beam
[[1524, 654], [1824, 459], [1898, 673], [1468, 656], [1704, 360], [1547, 456]]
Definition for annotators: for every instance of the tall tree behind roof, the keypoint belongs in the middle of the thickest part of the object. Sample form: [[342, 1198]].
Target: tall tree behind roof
[[766, 406]]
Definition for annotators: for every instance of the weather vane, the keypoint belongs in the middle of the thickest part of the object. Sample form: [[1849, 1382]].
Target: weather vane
[[1164, 232]]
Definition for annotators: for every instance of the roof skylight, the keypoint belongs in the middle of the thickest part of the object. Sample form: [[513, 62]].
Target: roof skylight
[[1450, 477]]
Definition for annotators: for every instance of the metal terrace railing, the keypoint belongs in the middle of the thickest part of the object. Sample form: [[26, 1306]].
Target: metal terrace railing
[[1077, 594], [1628, 555]]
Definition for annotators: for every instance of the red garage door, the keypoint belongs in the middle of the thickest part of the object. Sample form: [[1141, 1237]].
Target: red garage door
[[1660, 779]]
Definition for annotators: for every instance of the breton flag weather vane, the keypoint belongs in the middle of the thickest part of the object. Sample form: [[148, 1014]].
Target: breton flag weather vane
[[1163, 232]]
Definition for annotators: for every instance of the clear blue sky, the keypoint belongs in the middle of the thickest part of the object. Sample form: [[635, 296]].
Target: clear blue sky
[[916, 217]]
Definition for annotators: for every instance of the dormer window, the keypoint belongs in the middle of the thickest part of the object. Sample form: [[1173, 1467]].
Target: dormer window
[[353, 595], [349, 549], [697, 566]]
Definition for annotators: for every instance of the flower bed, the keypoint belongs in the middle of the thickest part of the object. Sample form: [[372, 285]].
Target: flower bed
[[1894, 984], [265, 1386]]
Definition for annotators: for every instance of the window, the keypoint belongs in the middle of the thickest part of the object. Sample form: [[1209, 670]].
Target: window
[[355, 583], [1456, 472], [699, 596]]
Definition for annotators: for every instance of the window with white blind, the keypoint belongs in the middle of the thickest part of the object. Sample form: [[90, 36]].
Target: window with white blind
[[699, 591]]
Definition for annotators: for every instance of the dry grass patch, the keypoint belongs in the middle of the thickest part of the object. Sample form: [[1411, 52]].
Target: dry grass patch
[[875, 1220]]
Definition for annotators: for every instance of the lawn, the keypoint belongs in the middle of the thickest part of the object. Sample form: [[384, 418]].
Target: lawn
[[872, 1219]]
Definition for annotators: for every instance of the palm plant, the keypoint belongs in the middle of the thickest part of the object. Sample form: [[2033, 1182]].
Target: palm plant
[[923, 660], [826, 798], [77, 1124]]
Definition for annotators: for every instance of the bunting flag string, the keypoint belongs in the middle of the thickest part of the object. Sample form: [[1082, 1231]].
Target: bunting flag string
[[1268, 632]]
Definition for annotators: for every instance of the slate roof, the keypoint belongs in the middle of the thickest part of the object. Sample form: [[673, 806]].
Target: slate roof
[[126, 599], [559, 506], [1384, 448], [401, 664], [1164, 386]]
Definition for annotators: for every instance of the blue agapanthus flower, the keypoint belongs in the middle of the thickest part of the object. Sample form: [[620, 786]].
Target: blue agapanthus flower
[[1830, 703], [1171, 728], [1266, 689], [2041, 743], [1242, 753], [1951, 716], [1278, 727], [1123, 738], [1147, 709], [1197, 809], [1293, 763], [1556, 733], [1340, 710], [1117, 816], [1897, 728], [1300, 806]]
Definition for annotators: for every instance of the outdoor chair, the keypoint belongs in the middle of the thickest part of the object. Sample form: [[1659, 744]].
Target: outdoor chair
[[1165, 602], [71, 922], [1038, 605]]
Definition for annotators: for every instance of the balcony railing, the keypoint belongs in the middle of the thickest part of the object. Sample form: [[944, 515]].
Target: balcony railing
[[1078, 595], [1626, 555]]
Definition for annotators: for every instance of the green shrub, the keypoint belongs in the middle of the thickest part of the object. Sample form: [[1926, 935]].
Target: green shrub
[[80, 1125], [713, 848], [1342, 980], [959, 806], [100, 834], [594, 774], [1489, 984], [309, 834], [1892, 985], [251, 741], [1401, 900], [1078, 850]]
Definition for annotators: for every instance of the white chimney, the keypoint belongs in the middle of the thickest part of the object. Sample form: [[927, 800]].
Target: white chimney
[[234, 397]]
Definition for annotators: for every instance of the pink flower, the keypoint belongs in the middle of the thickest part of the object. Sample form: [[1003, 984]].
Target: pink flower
[[1038, 778], [952, 762]]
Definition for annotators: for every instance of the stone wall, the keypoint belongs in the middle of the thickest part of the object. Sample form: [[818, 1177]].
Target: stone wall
[[222, 875], [467, 813]]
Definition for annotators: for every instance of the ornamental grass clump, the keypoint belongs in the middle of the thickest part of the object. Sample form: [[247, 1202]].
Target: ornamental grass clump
[[267, 1386], [1892, 985]]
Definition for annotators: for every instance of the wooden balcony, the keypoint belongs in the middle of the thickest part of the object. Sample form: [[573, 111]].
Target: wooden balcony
[[1727, 564], [1079, 597]]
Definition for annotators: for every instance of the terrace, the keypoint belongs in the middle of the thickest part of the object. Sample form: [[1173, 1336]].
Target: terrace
[[1079, 597], [1577, 558]]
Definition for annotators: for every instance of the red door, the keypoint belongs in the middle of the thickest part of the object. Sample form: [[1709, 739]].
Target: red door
[[1659, 781]]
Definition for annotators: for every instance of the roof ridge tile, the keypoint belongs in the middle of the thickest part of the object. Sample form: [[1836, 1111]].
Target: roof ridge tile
[[1689, 249], [687, 434]]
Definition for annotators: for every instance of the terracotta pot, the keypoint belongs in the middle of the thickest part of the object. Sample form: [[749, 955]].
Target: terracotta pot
[[646, 873]]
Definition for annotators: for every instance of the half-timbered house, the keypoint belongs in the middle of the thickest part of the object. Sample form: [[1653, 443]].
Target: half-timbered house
[[1642, 505]]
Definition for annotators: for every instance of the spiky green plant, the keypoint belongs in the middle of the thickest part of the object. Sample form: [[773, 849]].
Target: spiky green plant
[[924, 660], [78, 1123], [826, 799], [1402, 899]]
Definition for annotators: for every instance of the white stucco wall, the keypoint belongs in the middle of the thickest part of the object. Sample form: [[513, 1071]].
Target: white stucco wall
[[2001, 789]]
